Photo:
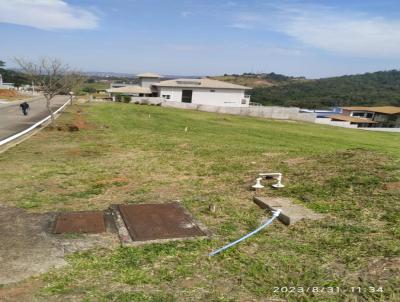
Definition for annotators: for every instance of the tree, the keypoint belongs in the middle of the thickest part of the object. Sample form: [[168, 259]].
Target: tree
[[89, 89], [52, 77], [2, 63]]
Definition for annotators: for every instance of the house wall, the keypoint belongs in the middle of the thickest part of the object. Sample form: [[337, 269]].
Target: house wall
[[346, 112], [205, 96], [147, 82], [328, 121], [388, 120], [175, 94], [7, 86]]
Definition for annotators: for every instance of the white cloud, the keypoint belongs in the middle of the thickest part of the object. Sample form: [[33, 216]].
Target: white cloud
[[349, 33], [353, 34], [241, 25], [247, 20], [185, 14], [46, 14], [186, 47]]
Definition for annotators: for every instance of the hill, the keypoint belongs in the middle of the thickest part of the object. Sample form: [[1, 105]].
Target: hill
[[259, 79], [369, 89]]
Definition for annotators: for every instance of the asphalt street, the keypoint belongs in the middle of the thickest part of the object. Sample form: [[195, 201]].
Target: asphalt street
[[13, 121]]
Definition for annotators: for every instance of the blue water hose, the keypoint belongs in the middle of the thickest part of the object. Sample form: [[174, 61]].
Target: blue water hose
[[275, 215]]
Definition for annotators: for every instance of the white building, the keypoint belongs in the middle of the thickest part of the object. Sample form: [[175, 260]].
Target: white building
[[5, 85], [148, 79], [202, 91]]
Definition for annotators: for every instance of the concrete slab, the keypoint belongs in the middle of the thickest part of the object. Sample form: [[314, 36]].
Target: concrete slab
[[28, 248], [291, 212]]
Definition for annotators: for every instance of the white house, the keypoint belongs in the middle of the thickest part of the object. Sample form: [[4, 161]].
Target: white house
[[202, 91], [148, 79], [5, 85]]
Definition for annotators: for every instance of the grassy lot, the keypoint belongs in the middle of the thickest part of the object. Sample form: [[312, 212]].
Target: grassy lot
[[128, 153]]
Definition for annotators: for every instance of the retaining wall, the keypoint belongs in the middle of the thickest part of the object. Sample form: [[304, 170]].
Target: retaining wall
[[271, 112], [381, 129], [147, 100]]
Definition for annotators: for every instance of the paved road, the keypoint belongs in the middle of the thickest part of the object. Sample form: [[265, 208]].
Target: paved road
[[13, 121]]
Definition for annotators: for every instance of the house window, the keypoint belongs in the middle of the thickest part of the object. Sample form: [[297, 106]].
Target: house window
[[212, 90], [187, 96], [166, 96], [244, 101]]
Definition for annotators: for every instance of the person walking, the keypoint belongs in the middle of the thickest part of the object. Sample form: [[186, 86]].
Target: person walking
[[24, 107]]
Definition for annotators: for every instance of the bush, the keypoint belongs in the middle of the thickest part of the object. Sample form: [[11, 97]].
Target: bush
[[89, 89], [118, 98], [126, 98]]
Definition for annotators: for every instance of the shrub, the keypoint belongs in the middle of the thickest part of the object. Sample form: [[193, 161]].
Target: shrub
[[126, 98]]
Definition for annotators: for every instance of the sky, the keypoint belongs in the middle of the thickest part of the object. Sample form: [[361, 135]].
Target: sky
[[205, 37]]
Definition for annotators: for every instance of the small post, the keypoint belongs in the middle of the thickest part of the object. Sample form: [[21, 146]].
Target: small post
[[71, 97]]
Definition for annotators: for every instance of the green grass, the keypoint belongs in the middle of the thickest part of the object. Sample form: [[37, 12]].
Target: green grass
[[97, 85], [131, 153]]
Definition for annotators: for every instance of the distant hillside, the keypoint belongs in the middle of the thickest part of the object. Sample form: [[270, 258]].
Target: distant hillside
[[259, 79], [378, 88]]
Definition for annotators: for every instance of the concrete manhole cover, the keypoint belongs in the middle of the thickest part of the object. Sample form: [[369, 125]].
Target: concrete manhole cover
[[158, 221], [80, 222]]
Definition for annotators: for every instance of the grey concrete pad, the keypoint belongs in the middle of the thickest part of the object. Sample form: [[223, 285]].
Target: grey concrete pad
[[291, 212], [28, 248]]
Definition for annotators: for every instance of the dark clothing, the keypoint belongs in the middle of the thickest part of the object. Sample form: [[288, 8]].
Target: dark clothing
[[24, 107]]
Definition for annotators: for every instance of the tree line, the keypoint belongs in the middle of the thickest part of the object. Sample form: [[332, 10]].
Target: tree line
[[369, 89]]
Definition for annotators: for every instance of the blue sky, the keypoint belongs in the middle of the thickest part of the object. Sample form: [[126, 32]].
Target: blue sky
[[204, 37]]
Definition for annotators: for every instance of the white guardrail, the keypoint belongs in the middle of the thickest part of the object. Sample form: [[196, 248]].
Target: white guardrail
[[15, 136]]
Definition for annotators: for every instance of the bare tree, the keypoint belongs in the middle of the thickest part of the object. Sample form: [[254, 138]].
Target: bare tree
[[52, 76]]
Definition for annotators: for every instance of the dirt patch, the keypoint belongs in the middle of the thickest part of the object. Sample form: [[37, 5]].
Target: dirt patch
[[75, 152], [68, 128], [8, 93], [392, 186], [272, 154], [79, 123], [114, 181], [382, 268], [296, 161], [22, 292]]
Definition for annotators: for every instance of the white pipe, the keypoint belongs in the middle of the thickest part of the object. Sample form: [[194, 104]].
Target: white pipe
[[275, 214], [278, 178], [258, 184], [15, 136]]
